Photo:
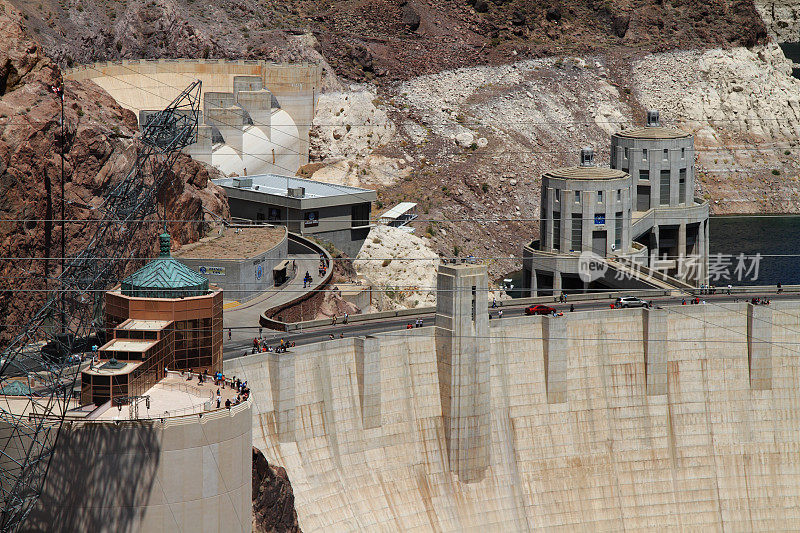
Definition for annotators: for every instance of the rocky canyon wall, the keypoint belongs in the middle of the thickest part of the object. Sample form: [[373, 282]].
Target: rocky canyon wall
[[99, 149]]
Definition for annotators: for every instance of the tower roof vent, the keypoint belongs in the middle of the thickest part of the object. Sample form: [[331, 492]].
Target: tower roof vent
[[653, 118], [587, 157]]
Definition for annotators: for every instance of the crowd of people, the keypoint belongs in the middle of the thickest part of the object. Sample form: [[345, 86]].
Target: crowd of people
[[260, 346], [242, 390]]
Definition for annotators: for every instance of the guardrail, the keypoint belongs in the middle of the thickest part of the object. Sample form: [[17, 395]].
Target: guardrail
[[645, 274], [524, 302], [501, 304]]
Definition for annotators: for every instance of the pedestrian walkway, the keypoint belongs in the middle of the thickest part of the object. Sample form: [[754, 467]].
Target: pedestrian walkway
[[246, 315]]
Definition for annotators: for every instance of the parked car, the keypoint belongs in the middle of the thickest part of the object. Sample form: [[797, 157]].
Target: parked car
[[630, 301], [540, 310]]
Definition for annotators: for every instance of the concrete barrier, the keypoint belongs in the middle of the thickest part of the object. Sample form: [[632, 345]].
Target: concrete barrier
[[421, 311], [266, 320]]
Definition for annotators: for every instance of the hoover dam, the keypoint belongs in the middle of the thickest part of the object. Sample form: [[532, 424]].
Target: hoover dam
[[676, 418]]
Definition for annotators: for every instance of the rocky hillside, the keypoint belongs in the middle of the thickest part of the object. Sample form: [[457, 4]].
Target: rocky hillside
[[383, 39], [99, 150], [460, 105], [273, 499], [782, 18]]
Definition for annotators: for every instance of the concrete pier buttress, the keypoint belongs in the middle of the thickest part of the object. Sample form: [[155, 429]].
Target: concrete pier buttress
[[554, 338], [462, 351], [282, 394], [368, 373], [258, 105], [230, 123], [654, 340], [759, 346]]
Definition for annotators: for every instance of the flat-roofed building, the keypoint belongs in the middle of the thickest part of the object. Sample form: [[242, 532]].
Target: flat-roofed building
[[337, 214], [242, 261], [399, 215]]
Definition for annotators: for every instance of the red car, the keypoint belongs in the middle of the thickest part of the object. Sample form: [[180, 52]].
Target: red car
[[540, 310]]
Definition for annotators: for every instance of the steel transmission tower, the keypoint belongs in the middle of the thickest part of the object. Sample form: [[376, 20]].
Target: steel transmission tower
[[36, 363]]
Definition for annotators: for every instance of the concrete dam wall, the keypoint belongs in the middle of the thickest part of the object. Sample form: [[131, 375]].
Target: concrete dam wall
[[682, 418]]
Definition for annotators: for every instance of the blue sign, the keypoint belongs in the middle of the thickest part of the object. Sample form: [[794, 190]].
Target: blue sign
[[202, 270], [259, 271], [599, 219]]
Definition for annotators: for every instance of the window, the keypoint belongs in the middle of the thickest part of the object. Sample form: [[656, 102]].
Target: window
[[644, 154], [626, 153], [543, 233], [577, 197], [474, 301], [666, 154], [682, 186], [644, 175], [664, 187], [619, 195], [599, 197], [274, 214], [642, 197], [558, 195], [557, 230], [577, 231], [683, 153], [618, 230], [359, 215]]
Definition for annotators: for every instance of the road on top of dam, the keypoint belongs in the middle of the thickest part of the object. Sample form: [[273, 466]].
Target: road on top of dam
[[238, 348]]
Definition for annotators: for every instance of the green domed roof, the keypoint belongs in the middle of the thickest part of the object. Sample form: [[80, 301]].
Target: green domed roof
[[165, 277]]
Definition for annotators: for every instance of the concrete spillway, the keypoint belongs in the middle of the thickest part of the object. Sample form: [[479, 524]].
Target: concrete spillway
[[670, 419], [261, 112]]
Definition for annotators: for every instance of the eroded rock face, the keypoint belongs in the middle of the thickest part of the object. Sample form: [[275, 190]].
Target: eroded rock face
[[782, 18], [389, 39], [273, 499], [99, 150], [402, 265]]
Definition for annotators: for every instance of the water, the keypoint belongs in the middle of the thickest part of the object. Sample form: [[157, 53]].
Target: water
[[516, 280], [748, 235], [792, 52], [767, 236]]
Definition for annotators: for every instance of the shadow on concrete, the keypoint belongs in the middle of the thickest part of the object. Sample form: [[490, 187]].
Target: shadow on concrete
[[100, 478]]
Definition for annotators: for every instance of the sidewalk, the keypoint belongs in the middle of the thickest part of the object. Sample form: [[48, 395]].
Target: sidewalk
[[248, 313]]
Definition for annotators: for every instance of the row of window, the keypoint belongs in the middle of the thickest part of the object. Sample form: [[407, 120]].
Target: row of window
[[576, 237], [359, 215], [577, 196], [643, 194], [644, 174], [664, 156]]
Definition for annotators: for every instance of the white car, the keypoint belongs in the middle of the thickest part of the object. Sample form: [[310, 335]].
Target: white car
[[630, 301]]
